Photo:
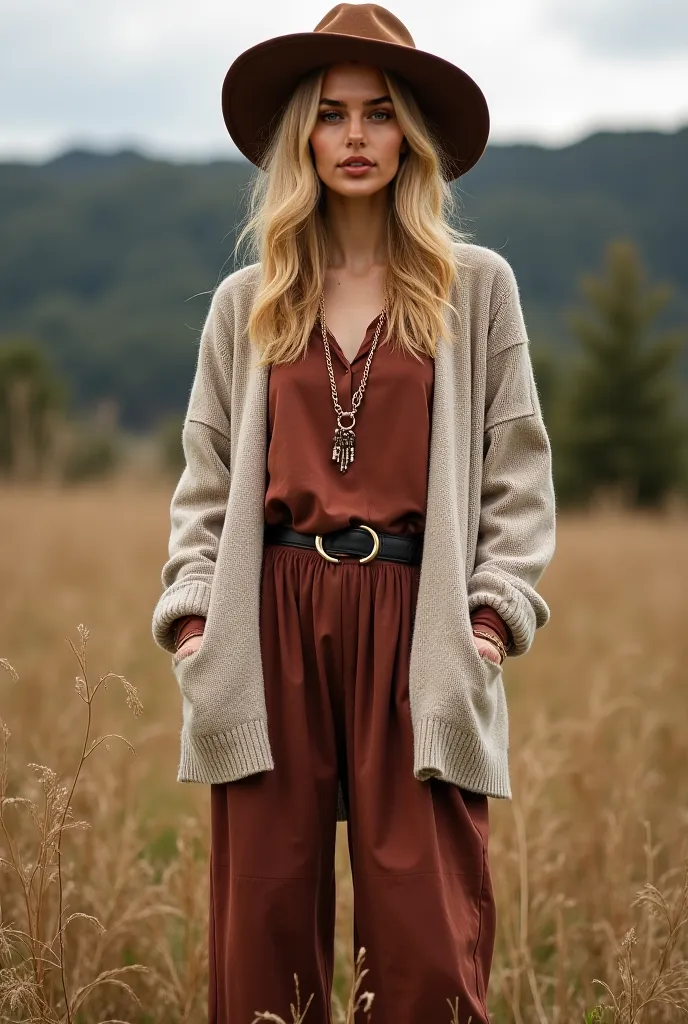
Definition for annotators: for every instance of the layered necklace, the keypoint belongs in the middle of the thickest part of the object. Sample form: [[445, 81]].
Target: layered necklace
[[344, 438]]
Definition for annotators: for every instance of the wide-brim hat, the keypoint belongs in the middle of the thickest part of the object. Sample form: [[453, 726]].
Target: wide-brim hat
[[260, 81]]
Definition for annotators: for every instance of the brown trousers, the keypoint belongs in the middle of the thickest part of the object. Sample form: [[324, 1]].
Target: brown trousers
[[335, 646]]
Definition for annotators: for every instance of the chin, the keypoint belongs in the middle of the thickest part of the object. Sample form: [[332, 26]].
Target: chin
[[356, 188]]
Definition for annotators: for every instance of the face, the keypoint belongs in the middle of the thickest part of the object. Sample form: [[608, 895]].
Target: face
[[356, 123]]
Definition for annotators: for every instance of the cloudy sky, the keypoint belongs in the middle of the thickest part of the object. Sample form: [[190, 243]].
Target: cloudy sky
[[148, 73]]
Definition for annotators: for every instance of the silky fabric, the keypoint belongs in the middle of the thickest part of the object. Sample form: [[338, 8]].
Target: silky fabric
[[386, 484], [334, 641]]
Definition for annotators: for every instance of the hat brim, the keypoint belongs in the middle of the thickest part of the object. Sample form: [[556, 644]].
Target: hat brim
[[260, 81]]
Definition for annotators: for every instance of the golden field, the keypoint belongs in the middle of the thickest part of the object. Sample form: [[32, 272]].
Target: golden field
[[599, 739]]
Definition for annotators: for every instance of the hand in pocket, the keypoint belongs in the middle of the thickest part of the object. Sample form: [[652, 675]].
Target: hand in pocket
[[189, 646], [487, 648]]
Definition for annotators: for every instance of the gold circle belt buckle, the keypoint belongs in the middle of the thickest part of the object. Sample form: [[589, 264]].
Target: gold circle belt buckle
[[368, 558]]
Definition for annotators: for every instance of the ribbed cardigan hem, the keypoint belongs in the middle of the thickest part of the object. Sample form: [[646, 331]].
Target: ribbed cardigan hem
[[445, 752], [226, 756]]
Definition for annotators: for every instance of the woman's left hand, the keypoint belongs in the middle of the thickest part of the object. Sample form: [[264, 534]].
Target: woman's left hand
[[487, 648]]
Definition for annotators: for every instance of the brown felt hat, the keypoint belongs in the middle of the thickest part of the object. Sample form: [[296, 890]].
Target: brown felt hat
[[262, 78]]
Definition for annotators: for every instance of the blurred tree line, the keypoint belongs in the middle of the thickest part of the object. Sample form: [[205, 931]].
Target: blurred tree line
[[110, 260], [615, 407]]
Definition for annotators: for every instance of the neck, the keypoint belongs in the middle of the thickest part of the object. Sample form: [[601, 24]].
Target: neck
[[357, 232]]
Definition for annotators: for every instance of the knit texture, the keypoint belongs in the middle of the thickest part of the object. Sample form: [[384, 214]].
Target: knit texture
[[489, 535]]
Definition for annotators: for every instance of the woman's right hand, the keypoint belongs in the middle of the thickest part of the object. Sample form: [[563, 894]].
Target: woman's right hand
[[189, 646]]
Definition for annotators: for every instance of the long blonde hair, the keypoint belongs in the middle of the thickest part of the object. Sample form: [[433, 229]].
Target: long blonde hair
[[287, 231]]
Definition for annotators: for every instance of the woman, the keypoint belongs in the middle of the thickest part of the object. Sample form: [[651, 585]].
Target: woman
[[344, 584]]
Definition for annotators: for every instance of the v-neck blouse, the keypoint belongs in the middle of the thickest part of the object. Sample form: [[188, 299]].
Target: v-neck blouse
[[386, 484]]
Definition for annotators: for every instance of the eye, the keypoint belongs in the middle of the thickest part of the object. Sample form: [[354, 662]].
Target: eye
[[328, 114], [386, 114]]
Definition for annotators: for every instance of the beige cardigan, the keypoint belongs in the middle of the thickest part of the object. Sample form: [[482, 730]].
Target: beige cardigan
[[489, 534]]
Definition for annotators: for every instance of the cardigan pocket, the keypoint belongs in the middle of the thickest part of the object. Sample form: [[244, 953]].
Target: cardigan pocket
[[492, 668], [181, 667], [487, 681], [177, 661], [488, 701], [200, 703], [484, 660]]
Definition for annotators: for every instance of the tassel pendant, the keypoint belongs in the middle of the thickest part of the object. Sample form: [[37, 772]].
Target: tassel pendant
[[343, 446], [343, 450]]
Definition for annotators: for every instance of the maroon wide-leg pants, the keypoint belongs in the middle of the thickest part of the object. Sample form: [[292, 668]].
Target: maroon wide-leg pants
[[335, 644]]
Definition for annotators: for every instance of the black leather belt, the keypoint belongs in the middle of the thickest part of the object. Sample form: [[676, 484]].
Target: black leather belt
[[363, 542]]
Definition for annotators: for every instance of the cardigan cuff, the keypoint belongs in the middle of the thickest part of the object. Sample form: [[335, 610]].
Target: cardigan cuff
[[509, 602], [190, 597], [487, 618]]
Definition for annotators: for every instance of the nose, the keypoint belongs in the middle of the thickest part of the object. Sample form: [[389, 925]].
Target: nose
[[356, 135]]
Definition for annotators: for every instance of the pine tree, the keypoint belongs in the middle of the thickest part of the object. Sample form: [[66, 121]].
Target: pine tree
[[625, 427]]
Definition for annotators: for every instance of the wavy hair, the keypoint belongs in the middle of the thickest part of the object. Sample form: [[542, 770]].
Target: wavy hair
[[287, 230]]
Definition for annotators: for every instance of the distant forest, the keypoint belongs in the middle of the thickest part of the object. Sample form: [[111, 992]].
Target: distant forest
[[109, 260]]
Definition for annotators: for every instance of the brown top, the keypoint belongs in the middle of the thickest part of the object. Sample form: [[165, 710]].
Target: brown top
[[386, 484]]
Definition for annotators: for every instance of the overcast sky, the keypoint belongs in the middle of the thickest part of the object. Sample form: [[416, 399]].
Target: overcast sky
[[148, 73]]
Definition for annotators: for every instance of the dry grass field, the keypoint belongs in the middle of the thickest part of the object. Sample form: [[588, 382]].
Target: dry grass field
[[599, 737]]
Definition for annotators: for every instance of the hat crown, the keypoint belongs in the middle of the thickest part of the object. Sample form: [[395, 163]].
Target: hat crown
[[367, 21]]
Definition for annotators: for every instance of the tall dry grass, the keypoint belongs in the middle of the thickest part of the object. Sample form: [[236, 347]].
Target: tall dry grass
[[588, 860]]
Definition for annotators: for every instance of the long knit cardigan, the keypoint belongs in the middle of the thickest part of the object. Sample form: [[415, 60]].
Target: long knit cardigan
[[489, 535]]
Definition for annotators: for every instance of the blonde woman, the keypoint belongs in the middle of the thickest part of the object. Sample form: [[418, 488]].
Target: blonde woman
[[365, 512]]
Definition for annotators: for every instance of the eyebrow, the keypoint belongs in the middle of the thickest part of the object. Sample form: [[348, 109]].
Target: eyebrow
[[366, 103]]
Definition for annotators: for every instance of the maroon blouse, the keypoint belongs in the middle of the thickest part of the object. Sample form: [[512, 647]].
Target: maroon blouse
[[386, 484]]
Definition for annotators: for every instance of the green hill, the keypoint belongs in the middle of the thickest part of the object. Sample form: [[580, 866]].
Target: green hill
[[109, 259]]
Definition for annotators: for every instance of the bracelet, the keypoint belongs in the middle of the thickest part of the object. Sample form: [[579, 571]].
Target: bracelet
[[187, 637], [494, 639]]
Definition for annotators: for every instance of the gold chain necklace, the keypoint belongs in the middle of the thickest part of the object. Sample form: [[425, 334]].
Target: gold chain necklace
[[343, 450]]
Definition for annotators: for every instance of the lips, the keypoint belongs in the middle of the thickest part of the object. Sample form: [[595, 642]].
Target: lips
[[356, 161]]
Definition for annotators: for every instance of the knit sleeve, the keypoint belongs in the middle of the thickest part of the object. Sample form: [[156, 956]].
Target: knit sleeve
[[199, 502], [516, 537]]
